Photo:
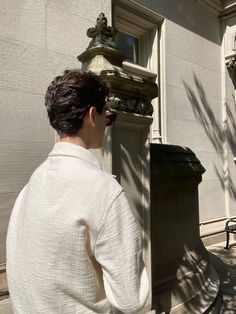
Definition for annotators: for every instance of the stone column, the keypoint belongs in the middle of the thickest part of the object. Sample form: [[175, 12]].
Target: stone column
[[126, 151]]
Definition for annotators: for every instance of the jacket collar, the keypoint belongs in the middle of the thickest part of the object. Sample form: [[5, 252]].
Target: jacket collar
[[71, 150]]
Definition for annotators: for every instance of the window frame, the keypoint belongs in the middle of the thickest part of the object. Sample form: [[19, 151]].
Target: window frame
[[129, 22], [127, 17]]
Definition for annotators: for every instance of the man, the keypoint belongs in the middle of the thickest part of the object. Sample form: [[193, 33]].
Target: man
[[73, 245]]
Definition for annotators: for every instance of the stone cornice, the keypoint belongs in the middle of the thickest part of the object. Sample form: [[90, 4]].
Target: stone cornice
[[225, 8], [216, 5], [228, 3], [229, 11]]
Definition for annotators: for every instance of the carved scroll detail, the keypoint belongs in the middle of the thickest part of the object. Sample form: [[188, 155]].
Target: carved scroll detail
[[133, 105]]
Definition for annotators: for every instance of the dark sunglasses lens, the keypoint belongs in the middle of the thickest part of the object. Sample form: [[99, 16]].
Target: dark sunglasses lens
[[110, 118]]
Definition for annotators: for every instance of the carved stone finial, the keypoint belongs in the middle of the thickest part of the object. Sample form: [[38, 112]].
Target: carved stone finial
[[102, 34]]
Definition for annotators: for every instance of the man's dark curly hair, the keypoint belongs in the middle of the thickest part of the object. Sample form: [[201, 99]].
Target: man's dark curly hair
[[69, 97]]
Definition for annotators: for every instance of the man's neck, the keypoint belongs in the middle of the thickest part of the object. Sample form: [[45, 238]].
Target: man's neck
[[77, 140]]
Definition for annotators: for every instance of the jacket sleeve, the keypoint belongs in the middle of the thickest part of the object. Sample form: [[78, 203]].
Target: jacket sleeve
[[118, 249]]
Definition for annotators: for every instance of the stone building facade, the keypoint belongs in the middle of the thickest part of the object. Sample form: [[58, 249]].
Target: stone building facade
[[188, 47]]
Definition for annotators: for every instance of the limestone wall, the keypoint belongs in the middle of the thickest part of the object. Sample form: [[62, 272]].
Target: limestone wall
[[38, 40], [193, 66], [229, 33]]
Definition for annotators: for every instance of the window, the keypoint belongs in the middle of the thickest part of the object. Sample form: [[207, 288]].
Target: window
[[128, 44], [138, 38]]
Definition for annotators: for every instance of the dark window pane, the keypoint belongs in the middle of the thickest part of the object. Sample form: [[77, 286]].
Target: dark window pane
[[128, 45]]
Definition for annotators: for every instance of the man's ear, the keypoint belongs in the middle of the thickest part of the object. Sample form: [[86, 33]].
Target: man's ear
[[91, 114]]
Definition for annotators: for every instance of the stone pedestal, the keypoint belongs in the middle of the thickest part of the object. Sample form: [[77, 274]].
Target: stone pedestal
[[126, 154], [126, 149], [183, 281], [130, 164]]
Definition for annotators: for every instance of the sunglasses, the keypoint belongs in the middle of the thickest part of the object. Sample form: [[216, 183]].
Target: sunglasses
[[110, 117]]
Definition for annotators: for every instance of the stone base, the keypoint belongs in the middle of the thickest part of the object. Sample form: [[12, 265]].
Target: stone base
[[206, 300], [196, 291], [217, 309], [183, 281]]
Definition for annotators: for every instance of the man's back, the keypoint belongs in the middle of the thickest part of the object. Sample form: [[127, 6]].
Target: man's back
[[65, 250]]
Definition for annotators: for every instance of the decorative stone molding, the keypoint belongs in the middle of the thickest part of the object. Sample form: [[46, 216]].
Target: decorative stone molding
[[229, 10], [133, 105], [214, 4], [131, 93], [225, 8], [230, 61]]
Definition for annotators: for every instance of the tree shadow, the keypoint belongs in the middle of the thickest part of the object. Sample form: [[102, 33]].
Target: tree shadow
[[224, 263], [205, 115], [219, 134], [224, 175], [128, 164]]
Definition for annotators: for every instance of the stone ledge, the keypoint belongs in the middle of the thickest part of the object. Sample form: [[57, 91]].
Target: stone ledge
[[214, 4]]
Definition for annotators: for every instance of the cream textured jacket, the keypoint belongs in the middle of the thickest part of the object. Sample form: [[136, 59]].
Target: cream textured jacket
[[73, 245]]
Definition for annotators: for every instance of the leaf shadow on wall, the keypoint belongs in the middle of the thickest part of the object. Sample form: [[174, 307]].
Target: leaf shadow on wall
[[219, 134], [127, 166]]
